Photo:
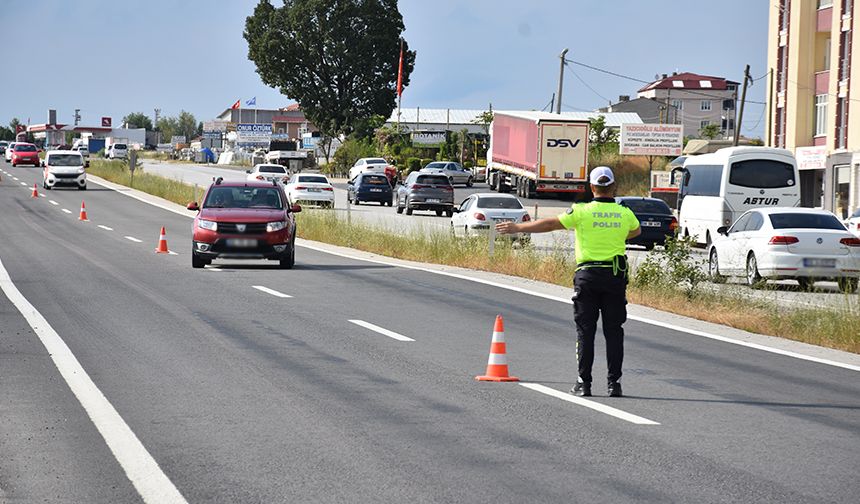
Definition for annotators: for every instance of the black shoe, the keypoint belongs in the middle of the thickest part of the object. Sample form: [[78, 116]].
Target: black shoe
[[614, 389], [581, 389]]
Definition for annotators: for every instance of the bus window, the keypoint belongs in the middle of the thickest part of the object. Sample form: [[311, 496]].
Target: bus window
[[703, 180], [762, 173]]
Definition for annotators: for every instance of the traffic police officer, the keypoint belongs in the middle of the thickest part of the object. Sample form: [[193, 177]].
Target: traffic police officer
[[602, 228]]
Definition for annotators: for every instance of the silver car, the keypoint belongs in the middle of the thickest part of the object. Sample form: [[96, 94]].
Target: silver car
[[454, 171], [426, 191]]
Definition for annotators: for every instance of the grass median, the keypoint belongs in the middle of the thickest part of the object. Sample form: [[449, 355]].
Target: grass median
[[829, 327]]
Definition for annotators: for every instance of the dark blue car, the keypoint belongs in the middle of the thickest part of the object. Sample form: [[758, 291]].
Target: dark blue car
[[655, 219], [367, 187]]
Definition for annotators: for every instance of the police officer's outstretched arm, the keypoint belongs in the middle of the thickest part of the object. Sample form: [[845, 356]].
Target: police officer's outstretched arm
[[539, 226]]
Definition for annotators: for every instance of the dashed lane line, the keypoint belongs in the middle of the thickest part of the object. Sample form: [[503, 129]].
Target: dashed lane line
[[596, 406], [381, 330], [66, 211], [271, 291], [53, 202], [132, 238], [103, 227]]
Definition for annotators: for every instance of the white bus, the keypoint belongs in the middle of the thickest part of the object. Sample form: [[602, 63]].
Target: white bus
[[715, 189]]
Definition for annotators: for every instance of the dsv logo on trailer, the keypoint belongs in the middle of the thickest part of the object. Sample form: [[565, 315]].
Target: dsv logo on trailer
[[562, 142]]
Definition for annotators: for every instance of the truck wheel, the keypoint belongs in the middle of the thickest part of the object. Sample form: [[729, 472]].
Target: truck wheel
[[439, 213], [530, 189], [449, 213], [408, 211]]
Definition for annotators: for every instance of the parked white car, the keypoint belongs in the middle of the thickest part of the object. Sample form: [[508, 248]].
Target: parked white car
[[117, 151], [363, 165], [480, 211], [310, 188], [803, 244], [270, 172], [64, 168], [853, 223]]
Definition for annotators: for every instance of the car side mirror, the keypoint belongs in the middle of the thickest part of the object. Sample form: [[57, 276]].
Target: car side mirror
[[295, 208], [193, 206], [723, 230], [455, 210], [247, 171]]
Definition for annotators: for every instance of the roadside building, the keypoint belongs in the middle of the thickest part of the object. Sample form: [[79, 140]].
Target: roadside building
[[649, 110], [815, 86], [441, 120], [287, 122], [693, 100]]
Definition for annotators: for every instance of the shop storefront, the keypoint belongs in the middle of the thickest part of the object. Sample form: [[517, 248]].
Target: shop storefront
[[842, 182]]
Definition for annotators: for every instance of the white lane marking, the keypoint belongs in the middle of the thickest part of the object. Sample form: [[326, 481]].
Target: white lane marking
[[66, 211], [42, 195], [147, 477], [24, 184], [106, 228], [15, 179], [132, 238], [608, 410], [644, 320], [380, 330], [170, 252], [53, 202], [271, 291], [521, 290]]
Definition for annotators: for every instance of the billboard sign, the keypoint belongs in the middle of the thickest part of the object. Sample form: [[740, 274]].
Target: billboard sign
[[652, 139], [253, 135], [177, 139], [106, 122], [428, 138], [219, 126], [811, 158]]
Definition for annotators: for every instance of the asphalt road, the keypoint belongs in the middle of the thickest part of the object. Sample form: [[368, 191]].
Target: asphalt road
[[241, 395]]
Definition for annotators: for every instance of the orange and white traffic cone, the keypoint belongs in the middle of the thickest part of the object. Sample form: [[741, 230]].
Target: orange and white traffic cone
[[497, 366], [35, 192], [83, 216], [162, 243]]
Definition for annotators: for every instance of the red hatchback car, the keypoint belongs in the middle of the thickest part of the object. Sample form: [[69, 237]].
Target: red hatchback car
[[244, 220], [24, 153]]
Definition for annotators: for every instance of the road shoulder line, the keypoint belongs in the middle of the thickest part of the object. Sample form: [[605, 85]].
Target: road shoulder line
[[596, 406], [140, 467]]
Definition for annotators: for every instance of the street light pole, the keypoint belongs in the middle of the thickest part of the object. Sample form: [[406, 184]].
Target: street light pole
[[560, 81]]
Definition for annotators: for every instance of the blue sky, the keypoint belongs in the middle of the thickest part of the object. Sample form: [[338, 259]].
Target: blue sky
[[114, 57]]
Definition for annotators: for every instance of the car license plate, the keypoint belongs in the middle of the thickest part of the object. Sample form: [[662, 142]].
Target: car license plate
[[819, 263], [503, 220], [241, 243], [314, 189], [376, 190], [434, 200], [650, 224]]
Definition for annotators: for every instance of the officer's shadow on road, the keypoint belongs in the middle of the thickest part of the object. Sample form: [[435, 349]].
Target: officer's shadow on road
[[300, 266]]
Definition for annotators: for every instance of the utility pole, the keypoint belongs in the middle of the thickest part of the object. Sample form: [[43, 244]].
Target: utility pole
[[77, 116], [552, 103], [741, 109], [769, 129], [560, 81], [158, 133]]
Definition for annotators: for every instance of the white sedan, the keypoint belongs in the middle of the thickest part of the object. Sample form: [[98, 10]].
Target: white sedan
[[480, 211], [9, 149], [310, 188], [853, 223], [270, 172], [803, 244]]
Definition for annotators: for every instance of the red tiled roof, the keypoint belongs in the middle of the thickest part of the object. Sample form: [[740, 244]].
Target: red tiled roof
[[688, 80]]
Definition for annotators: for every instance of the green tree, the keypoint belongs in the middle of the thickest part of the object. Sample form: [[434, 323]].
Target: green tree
[[484, 119], [6, 133], [168, 126], [13, 124], [337, 58], [186, 125], [600, 134], [138, 120], [710, 132]]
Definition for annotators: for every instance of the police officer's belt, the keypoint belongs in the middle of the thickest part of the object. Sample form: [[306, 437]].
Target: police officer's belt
[[594, 264]]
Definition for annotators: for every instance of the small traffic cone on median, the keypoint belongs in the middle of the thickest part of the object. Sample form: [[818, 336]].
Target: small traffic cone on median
[[162, 243], [497, 366], [35, 192], [83, 216]]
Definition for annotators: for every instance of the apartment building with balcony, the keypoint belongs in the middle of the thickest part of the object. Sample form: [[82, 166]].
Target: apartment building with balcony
[[814, 88]]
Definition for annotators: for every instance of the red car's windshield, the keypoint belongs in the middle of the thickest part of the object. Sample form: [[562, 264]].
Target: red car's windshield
[[244, 197]]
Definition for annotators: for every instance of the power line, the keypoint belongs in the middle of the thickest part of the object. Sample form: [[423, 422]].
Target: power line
[[577, 108], [760, 117], [586, 84], [622, 76]]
